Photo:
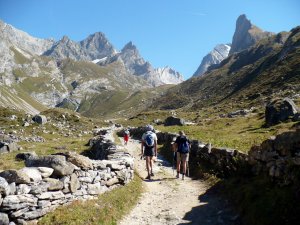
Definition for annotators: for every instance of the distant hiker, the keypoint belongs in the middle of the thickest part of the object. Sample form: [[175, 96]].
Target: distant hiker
[[149, 149], [126, 136], [182, 146]]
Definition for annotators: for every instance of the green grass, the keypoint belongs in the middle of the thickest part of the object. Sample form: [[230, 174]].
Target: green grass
[[19, 58], [109, 208], [238, 133]]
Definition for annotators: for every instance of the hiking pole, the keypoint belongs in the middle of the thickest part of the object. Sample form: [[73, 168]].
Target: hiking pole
[[187, 168], [173, 162]]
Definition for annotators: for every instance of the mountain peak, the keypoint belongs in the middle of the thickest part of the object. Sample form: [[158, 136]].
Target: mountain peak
[[65, 39], [129, 46], [246, 34]]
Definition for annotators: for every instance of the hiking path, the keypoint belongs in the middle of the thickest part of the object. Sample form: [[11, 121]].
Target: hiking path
[[167, 200]]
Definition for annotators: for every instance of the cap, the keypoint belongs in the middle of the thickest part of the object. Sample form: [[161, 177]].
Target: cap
[[149, 127]]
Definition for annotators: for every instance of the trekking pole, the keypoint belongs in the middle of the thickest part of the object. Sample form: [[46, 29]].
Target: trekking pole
[[187, 168], [173, 162]]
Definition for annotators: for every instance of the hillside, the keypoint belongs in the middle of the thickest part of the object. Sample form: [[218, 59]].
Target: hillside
[[250, 78]]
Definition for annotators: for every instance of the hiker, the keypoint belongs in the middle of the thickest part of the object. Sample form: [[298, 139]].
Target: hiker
[[182, 145], [149, 149], [126, 136]]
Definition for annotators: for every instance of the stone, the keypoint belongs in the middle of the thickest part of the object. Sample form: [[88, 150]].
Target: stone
[[25, 155], [4, 187], [23, 189], [74, 183], [96, 189], [40, 119], [15, 176], [45, 171], [53, 184], [79, 160], [15, 202], [280, 110], [57, 162], [112, 181], [33, 173], [173, 121], [4, 220], [51, 195]]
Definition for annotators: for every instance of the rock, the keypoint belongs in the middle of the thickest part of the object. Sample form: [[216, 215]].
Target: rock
[[51, 195], [57, 162], [74, 183], [4, 220], [112, 181], [16, 176], [173, 121], [45, 171], [96, 189], [4, 187], [25, 155], [280, 110], [53, 184], [79, 160], [22, 189], [15, 202], [40, 119], [33, 173]]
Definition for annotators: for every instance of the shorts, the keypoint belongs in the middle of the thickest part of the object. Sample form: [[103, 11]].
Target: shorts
[[182, 157], [126, 138], [149, 151]]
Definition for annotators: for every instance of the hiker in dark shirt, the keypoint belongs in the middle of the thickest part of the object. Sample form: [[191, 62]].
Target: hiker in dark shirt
[[182, 145], [149, 149]]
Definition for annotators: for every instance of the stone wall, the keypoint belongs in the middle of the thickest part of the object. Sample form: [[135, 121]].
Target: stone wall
[[277, 157], [221, 161], [50, 181]]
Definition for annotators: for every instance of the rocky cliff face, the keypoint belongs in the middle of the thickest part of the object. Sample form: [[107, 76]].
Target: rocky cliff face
[[97, 46], [246, 34], [138, 66], [218, 54]]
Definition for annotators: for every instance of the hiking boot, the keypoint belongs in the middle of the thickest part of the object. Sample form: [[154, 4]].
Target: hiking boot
[[148, 177], [182, 176], [177, 176], [152, 174]]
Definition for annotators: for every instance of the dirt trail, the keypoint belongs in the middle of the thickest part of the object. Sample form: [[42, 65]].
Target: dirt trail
[[168, 200]]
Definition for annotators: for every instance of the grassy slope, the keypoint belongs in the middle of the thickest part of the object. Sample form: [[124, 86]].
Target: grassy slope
[[249, 78], [109, 207]]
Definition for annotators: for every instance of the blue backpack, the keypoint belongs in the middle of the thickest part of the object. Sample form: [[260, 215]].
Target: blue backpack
[[184, 146], [149, 140]]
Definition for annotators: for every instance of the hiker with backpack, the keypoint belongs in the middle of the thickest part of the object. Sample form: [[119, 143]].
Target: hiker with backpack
[[182, 145], [126, 136], [149, 149]]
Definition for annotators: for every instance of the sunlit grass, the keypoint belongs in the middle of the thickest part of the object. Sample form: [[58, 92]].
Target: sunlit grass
[[109, 208]]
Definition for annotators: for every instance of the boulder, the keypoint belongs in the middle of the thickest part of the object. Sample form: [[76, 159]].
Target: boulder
[[40, 119], [4, 187], [57, 162], [79, 160], [280, 110], [4, 219], [33, 173], [74, 183], [173, 121], [16, 176]]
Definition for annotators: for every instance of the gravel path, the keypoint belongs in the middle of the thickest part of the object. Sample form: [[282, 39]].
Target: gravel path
[[168, 200]]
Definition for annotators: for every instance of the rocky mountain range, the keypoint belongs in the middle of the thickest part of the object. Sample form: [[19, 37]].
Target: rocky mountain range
[[246, 35], [252, 77], [217, 55], [37, 73]]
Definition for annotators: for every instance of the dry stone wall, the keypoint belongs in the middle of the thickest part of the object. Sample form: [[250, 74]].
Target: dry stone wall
[[50, 181], [277, 157]]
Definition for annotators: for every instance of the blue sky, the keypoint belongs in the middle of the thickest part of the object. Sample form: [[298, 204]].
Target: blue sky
[[177, 33]]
